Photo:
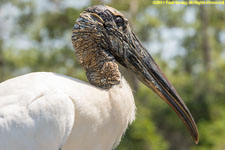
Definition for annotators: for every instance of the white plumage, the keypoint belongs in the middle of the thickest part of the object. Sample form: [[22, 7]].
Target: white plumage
[[38, 111]]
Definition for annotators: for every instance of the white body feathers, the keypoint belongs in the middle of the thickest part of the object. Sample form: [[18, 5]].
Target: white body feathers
[[47, 111]]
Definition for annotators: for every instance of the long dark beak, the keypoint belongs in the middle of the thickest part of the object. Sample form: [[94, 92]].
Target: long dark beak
[[137, 59]]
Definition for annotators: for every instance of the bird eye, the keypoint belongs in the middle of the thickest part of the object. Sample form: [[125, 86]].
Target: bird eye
[[119, 21]]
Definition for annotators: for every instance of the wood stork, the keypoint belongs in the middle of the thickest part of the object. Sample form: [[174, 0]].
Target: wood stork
[[50, 111]]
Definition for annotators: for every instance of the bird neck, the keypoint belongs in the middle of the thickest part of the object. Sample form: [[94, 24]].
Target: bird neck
[[104, 75], [100, 66]]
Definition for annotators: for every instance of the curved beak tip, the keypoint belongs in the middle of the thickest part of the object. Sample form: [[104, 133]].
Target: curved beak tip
[[196, 139]]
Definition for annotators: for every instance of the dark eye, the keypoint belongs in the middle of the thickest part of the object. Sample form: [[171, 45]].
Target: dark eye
[[119, 21]]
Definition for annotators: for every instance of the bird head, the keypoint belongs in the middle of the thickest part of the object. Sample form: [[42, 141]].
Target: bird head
[[102, 34]]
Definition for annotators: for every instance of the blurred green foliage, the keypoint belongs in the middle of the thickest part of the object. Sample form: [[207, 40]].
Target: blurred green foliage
[[200, 80]]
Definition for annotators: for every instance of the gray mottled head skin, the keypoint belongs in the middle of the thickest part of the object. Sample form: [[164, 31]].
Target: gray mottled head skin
[[93, 39], [101, 37]]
